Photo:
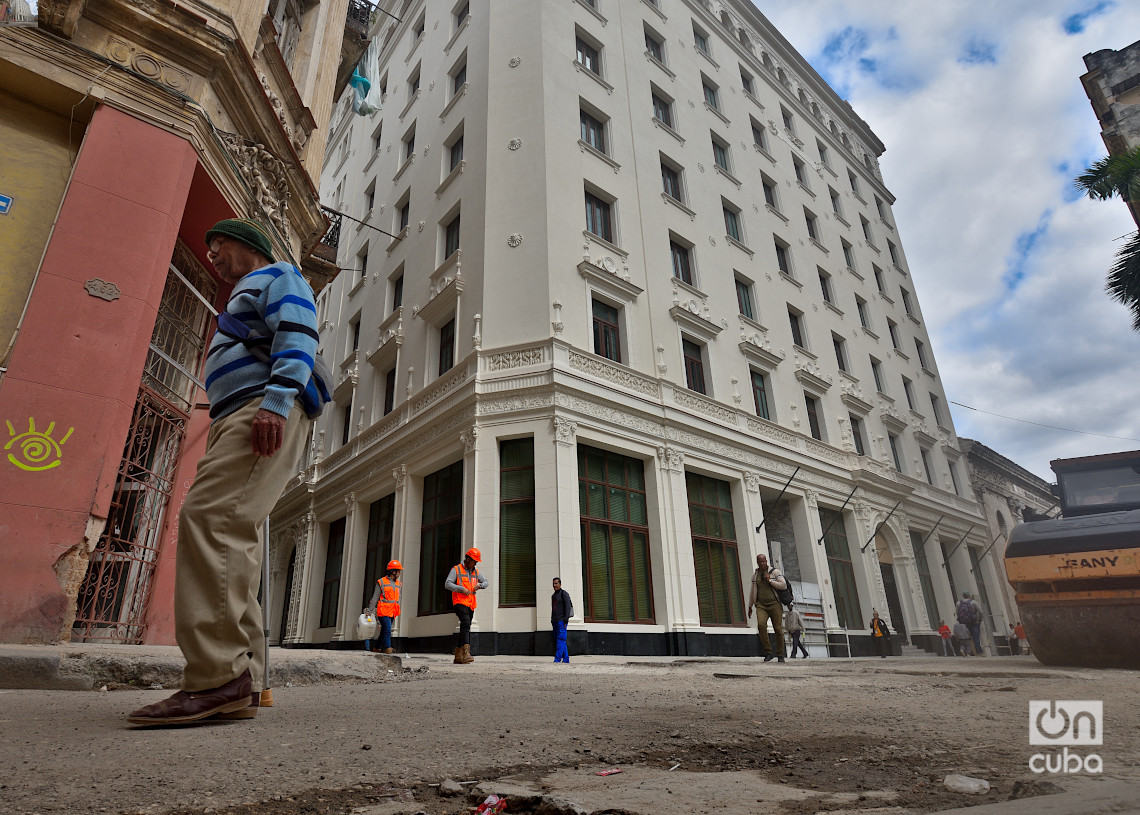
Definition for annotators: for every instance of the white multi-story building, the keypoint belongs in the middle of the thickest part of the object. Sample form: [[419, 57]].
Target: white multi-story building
[[645, 294]]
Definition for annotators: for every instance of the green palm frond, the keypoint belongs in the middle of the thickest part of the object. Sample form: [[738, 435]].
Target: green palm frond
[[1112, 177], [1123, 282]]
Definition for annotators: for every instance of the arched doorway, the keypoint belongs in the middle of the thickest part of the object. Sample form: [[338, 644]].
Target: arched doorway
[[890, 586]]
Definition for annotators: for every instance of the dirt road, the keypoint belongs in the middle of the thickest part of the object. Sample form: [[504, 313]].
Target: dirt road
[[720, 736]]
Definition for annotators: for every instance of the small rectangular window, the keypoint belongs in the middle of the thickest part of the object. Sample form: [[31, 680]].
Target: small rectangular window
[[825, 287], [813, 416], [405, 215], [747, 83], [760, 395], [936, 408], [598, 219], [920, 347], [908, 390], [607, 333], [788, 119], [459, 79], [880, 284], [732, 225], [701, 40], [861, 307], [835, 207], [896, 456], [588, 56], [710, 94], [670, 182], [824, 155], [654, 47], [662, 111], [769, 187], [397, 292], [782, 261], [796, 322], [848, 254], [866, 225], [759, 136], [877, 372], [927, 467], [801, 172], [389, 391], [462, 13], [906, 302], [840, 346], [853, 181], [593, 132], [694, 366], [812, 224], [447, 347], [720, 154], [896, 259], [682, 268], [456, 154], [857, 434], [744, 299], [451, 238], [893, 330]]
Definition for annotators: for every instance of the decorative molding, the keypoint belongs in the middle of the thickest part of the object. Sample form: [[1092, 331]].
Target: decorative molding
[[670, 459], [520, 358], [596, 366], [564, 431], [446, 386], [514, 240], [265, 175], [147, 64], [514, 144], [470, 439], [704, 405], [514, 62], [751, 481]]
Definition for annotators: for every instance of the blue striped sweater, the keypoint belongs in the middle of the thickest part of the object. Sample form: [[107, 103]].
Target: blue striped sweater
[[274, 299]]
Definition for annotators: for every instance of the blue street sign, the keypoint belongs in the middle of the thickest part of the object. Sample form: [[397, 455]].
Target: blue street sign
[[5, 204]]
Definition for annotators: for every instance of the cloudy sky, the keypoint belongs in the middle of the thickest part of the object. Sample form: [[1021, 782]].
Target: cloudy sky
[[986, 123]]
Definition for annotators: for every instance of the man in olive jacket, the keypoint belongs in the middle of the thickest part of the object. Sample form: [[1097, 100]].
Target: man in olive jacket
[[765, 582]]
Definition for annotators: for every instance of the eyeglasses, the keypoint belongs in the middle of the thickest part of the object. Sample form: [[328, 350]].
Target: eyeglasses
[[215, 247]]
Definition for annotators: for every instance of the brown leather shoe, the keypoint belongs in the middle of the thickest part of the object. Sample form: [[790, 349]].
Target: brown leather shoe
[[246, 712], [389, 650], [186, 707]]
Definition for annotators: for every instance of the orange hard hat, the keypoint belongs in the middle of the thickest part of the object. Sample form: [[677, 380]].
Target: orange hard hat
[[474, 554], [395, 564]]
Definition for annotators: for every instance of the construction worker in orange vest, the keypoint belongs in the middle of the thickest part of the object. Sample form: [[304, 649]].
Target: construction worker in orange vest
[[386, 601], [463, 581]]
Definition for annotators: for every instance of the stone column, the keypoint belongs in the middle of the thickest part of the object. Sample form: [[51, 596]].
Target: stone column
[[558, 543], [677, 567], [351, 569]]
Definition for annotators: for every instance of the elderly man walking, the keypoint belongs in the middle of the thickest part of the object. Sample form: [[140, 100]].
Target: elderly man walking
[[258, 431]]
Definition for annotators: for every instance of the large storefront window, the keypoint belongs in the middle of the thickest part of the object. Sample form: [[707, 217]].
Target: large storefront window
[[379, 551], [714, 551], [516, 523], [441, 536], [842, 571], [615, 537], [330, 587], [924, 578]]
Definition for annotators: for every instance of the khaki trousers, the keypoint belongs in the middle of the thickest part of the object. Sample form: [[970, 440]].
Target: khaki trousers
[[776, 613], [217, 617]]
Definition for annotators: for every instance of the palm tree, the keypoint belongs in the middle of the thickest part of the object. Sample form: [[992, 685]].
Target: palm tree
[[1119, 177]]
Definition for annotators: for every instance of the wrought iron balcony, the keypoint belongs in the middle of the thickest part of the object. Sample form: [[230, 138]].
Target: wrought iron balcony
[[359, 15], [332, 237]]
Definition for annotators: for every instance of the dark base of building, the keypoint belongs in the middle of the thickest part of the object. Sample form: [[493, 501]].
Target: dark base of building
[[604, 643]]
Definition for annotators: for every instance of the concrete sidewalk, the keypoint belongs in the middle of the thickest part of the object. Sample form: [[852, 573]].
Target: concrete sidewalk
[[91, 666]]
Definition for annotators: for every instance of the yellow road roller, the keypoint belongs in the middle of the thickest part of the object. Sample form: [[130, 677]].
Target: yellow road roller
[[1077, 577]]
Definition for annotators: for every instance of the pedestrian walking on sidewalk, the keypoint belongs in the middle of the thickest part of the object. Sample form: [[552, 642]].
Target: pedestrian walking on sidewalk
[[463, 581], [881, 634], [962, 642], [258, 430], [794, 625], [763, 597], [946, 635], [386, 601], [969, 612], [561, 610]]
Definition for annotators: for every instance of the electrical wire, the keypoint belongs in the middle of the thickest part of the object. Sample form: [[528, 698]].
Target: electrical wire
[[1039, 424]]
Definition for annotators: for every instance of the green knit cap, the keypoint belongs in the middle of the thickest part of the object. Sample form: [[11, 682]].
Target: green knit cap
[[248, 232]]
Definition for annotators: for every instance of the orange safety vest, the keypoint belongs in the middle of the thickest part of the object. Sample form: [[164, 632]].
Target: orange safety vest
[[469, 581], [389, 605]]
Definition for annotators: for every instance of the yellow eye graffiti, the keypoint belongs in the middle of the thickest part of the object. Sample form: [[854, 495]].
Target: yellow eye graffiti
[[35, 451]]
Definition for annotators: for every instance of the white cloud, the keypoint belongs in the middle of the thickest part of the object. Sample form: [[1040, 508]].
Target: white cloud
[[985, 121]]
